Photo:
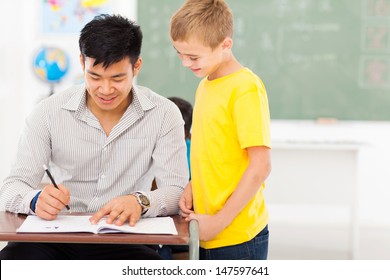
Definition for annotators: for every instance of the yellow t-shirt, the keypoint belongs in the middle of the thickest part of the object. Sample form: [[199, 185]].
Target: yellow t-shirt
[[230, 114]]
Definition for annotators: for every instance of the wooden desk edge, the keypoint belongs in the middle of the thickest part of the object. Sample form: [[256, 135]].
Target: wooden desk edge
[[9, 222]]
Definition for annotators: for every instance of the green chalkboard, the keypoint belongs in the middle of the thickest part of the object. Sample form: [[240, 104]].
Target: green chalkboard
[[317, 58]]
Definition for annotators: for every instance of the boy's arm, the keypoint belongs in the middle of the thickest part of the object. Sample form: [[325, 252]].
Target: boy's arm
[[257, 171]]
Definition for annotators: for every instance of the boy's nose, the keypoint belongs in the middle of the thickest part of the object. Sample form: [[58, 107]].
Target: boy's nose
[[186, 62]]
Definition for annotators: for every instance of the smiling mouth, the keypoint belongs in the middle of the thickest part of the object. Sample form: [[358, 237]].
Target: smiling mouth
[[106, 100]]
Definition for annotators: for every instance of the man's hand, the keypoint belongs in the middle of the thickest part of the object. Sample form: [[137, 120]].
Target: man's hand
[[51, 201], [119, 210]]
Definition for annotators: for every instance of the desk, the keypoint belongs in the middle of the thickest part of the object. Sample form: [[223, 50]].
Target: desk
[[187, 235], [312, 176]]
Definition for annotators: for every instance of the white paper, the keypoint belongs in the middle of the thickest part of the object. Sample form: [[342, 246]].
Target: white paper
[[158, 225]]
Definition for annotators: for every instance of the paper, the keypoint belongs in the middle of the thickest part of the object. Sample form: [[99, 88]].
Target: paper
[[65, 223]]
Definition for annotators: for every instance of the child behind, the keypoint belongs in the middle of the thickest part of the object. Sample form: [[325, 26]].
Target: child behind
[[230, 143], [185, 108]]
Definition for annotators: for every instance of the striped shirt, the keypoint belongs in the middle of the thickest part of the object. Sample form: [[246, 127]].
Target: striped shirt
[[148, 142]]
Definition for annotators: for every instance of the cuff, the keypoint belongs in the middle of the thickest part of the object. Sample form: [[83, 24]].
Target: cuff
[[34, 202]]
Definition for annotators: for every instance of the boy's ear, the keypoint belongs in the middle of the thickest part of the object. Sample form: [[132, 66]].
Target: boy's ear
[[227, 43]]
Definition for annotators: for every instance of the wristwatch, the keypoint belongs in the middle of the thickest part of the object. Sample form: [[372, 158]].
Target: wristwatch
[[143, 200]]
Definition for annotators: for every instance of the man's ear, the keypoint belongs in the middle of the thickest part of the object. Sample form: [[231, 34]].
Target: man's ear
[[82, 62], [137, 66]]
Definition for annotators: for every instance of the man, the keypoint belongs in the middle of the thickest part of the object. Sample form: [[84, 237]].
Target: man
[[109, 138]]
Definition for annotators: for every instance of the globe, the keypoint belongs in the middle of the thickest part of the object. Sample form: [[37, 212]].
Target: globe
[[51, 64]]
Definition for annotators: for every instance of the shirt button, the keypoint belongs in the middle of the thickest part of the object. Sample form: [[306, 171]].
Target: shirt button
[[105, 149], [102, 176]]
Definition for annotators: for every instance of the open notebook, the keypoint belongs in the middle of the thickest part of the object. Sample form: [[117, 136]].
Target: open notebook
[[158, 225]]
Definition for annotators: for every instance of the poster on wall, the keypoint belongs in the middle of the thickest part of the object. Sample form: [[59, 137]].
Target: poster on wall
[[70, 16]]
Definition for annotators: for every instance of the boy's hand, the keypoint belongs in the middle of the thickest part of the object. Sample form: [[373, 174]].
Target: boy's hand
[[119, 210], [209, 225], [185, 202], [51, 201]]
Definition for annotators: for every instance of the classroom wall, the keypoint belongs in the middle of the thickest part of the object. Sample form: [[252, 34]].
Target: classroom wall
[[20, 90], [372, 181], [13, 74]]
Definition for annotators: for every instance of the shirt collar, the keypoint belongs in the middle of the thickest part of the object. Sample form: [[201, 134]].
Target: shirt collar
[[77, 102], [140, 101]]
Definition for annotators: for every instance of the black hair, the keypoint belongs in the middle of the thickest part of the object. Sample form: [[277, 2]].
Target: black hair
[[186, 109], [109, 39]]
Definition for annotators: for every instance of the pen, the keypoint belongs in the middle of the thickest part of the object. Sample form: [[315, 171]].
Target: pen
[[53, 182]]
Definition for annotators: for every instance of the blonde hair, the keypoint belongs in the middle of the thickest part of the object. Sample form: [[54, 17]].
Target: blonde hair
[[209, 21]]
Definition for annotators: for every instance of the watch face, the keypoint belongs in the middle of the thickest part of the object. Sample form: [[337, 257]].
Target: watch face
[[144, 200]]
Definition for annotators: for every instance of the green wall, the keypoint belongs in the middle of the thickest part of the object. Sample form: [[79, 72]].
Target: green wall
[[318, 59]]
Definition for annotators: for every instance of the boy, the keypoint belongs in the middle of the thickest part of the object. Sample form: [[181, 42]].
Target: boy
[[230, 144]]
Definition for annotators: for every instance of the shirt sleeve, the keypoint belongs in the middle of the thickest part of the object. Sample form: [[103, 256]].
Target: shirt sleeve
[[252, 118], [22, 184], [170, 166]]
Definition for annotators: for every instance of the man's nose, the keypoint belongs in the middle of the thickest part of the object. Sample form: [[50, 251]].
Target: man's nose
[[106, 88]]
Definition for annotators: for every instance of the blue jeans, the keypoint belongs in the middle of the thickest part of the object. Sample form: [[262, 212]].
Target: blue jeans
[[255, 249]]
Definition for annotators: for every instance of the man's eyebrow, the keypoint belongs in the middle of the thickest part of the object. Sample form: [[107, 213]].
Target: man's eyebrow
[[114, 76], [92, 73], [120, 75]]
